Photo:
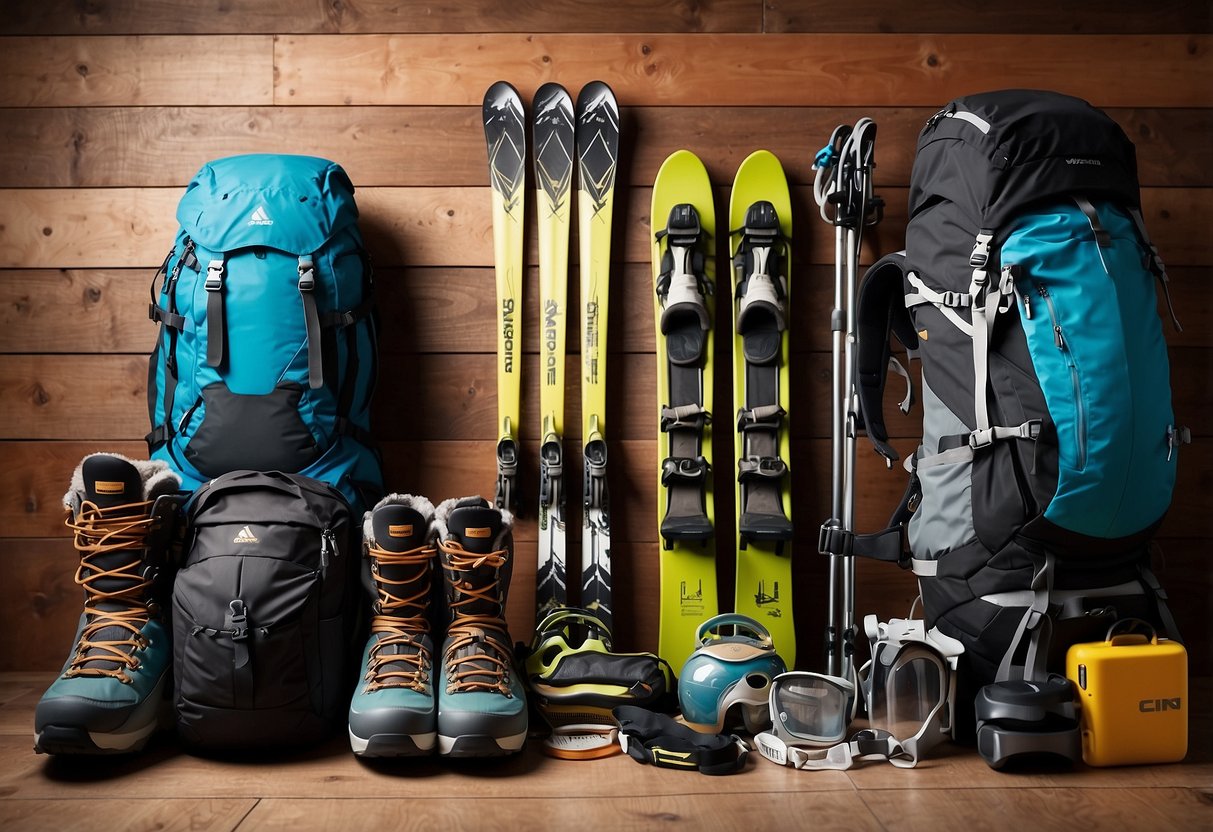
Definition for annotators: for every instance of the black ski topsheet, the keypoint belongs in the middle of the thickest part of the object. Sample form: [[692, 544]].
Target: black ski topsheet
[[597, 158]]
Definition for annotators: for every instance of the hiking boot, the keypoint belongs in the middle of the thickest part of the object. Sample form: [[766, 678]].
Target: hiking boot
[[393, 713], [110, 696], [482, 708]]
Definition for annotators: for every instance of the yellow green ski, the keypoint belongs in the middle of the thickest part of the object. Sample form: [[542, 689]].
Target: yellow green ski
[[683, 223], [760, 233], [505, 134], [597, 157], [553, 135]]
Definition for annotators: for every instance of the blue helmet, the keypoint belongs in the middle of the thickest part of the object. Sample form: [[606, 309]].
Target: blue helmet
[[733, 665]]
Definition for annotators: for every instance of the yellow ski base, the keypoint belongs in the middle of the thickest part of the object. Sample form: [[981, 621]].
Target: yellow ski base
[[764, 575], [688, 569]]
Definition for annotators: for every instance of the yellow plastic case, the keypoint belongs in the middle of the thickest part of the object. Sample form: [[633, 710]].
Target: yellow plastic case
[[1133, 690]]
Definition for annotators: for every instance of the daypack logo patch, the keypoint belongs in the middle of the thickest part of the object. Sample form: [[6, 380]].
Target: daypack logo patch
[[260, 217], [245, 535], [1074, 160]]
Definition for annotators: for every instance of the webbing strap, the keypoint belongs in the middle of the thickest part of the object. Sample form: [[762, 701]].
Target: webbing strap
[[235, 626], [216, 330], [1156, 265], [887, 545], [979, 439], [1035, 625], [1102, 238], [881, 309], [1160, 603], [344, 318], [315, 357], [160, 315], [656, 739], [985, 308]]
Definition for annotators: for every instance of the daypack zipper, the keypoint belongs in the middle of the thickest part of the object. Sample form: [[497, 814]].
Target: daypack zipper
[[328, 549], [1062, 344]]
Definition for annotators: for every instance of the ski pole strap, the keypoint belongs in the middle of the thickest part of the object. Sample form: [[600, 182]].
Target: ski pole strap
[[887, 545], [658, 740]]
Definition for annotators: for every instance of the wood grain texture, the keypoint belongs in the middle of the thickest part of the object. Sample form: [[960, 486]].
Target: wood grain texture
[[123, 17], [452, 227], [136, 71], [436, 146], [1027, 17], [104, 397], [434, 310], [163, 815], [786, 70]]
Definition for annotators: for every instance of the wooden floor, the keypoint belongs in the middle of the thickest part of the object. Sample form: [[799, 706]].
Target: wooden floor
[[166, 789]]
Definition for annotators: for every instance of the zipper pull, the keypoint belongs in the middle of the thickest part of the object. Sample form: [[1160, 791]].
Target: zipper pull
[[328, 549], [1027, 307], [1057, 339]]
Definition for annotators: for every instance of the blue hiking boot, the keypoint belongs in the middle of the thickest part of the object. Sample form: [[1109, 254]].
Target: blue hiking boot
[[110, 696], [393, 713], [482, 710]]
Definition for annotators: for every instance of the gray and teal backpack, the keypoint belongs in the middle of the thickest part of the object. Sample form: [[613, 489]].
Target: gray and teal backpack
[[1049, 446], [266, 358]]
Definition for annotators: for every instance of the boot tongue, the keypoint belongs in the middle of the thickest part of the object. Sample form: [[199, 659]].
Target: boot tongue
[[399, 528], [475, 525], [110, 481]]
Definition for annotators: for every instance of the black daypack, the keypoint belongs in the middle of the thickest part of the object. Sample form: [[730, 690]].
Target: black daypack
[[264, 613], [1028, 290]]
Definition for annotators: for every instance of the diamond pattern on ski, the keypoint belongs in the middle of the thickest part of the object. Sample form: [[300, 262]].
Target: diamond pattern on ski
[[688, 568], [764, 568], [505, 135], [553, 136], [597, 157]]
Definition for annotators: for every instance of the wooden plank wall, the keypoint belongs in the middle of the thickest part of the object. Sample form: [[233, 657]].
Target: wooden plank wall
[[109, 107]]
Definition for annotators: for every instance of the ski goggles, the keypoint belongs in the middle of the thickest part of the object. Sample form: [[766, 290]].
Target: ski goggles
[[809, 717], [908, 685]]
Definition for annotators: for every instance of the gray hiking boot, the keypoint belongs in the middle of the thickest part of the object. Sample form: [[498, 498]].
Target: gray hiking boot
[[393, 713], [109, 697], [482, 709]]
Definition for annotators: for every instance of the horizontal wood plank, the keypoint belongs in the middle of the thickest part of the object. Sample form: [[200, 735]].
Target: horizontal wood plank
[[168, 814], [135, 71], [431, 310], [792, 70], [125, 17], [452, 227], [822, 70], [105, 397], [440, 146], [1025, 17]]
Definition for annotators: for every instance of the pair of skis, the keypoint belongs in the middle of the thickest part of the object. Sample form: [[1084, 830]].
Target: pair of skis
[[684, 273], [843, 191], [590, 133]]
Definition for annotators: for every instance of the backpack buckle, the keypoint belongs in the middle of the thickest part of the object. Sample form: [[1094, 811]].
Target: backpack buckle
[[307, 276], [214, 276]]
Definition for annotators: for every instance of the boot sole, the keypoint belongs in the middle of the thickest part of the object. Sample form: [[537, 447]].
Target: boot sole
[[393, 745], [480, 745], [76, 739]]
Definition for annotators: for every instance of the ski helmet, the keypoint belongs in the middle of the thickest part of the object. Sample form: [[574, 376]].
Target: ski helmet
[[733, 665]]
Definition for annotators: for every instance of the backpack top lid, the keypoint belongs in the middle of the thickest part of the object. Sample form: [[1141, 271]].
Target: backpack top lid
[[994, 153], [293, 204]]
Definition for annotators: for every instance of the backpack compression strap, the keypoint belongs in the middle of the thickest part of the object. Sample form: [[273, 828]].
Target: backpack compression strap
[[658, 740]]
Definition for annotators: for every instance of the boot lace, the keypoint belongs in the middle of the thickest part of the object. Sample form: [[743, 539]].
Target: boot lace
[[400, 620], [487, 666], [100, 532]]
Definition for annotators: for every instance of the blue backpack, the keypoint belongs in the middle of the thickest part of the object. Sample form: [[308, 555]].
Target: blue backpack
[[266, 358], [1049, 445]]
